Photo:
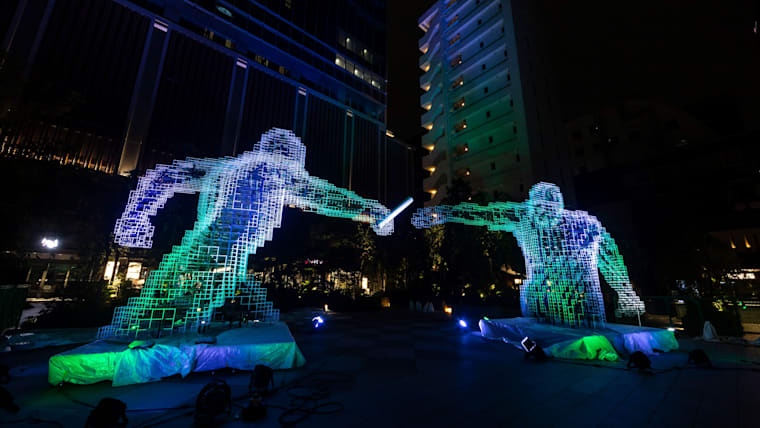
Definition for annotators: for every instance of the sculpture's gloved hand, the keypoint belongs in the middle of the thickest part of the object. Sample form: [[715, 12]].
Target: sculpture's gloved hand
[[430, 216], [378, 215], [133, 232]]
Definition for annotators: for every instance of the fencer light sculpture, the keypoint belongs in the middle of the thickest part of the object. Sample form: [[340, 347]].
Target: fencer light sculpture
[[241, 203], [563, 250]]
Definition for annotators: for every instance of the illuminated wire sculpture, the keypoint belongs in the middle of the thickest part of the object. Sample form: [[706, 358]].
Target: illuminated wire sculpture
[[562, 251], [241, 203]]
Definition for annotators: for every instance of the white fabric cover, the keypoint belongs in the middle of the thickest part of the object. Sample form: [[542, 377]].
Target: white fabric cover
[[709, 332]]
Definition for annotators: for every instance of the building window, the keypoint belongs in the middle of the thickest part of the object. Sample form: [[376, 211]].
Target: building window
[[517, 157], [467, 172], [509, 77], [455, 39], [502, 29], [459, 104], [450, 3], [480, 21], [514, 129], [488, 114], [456, 61], [461, 126], [511, 102], [458, 82], [453, 20], [485, 90], [483, 67], [505, 52], [490, 139], [289, 4], [493, 166], [481, 44]]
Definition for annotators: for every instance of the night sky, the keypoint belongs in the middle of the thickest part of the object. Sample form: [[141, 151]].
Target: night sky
[[700, 56]]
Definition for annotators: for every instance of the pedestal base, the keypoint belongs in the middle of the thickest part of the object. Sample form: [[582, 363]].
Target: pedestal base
[[239, 348], [609, 343]]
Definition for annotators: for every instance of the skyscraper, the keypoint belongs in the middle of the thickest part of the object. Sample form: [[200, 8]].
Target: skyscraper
[[133, 83], [491, 116]]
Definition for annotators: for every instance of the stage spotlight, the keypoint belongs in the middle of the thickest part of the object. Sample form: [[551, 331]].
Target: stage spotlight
[[5, 376], [462, 323], [109, 413], [255, 411], [639, 361], [318, 321], [262, 378], [6, 401], [215, 398], [532, 349], [699, 358]]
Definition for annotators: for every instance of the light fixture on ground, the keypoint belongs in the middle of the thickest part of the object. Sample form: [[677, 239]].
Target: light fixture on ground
[[318, 321], [640, 361], [532, 349], [699, 358]]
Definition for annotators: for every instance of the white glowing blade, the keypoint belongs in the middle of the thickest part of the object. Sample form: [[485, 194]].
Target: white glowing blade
[[395, 212]]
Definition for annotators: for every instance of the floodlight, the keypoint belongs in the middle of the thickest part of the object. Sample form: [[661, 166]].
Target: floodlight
[[49, 243]]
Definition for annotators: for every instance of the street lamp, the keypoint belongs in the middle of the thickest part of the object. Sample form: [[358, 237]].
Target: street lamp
[[50, 243]]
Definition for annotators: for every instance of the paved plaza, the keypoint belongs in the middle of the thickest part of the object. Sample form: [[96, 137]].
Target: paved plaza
[[403, 369]]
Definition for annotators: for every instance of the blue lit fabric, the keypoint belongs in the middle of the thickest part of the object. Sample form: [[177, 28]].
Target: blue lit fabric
[[241, 203], [564, 252]]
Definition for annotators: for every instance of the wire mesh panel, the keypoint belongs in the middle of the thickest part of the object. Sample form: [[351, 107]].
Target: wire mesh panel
[[241, 203], [564, 252]]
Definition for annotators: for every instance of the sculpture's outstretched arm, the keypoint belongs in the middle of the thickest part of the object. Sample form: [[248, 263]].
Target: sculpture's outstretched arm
[[496, 215], [614, 271], [133, 229], [320, 196]]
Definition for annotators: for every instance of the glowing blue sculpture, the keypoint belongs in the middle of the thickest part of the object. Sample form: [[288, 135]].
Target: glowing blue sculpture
[[562, 251], [241, 203]]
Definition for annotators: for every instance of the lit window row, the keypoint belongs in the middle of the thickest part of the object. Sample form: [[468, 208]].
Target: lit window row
[[359, 72], [355, 46]]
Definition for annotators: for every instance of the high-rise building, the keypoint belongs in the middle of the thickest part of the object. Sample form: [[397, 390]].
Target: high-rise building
[[491, 116], [126, 84]]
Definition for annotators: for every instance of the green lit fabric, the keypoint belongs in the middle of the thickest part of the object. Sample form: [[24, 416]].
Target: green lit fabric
[[564, 252], [585, 348]]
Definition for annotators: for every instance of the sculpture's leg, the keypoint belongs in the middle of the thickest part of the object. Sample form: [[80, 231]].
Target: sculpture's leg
[[156, 307], [593, 303]]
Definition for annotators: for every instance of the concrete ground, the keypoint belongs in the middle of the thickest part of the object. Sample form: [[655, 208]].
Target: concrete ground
[[402, 369]]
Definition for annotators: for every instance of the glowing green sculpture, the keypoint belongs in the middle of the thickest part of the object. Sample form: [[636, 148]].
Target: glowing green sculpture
[[241, 203], [562, 251]]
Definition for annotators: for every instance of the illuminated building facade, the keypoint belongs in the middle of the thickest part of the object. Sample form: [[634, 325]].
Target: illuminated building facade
[[134, 83], [490, 115]]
